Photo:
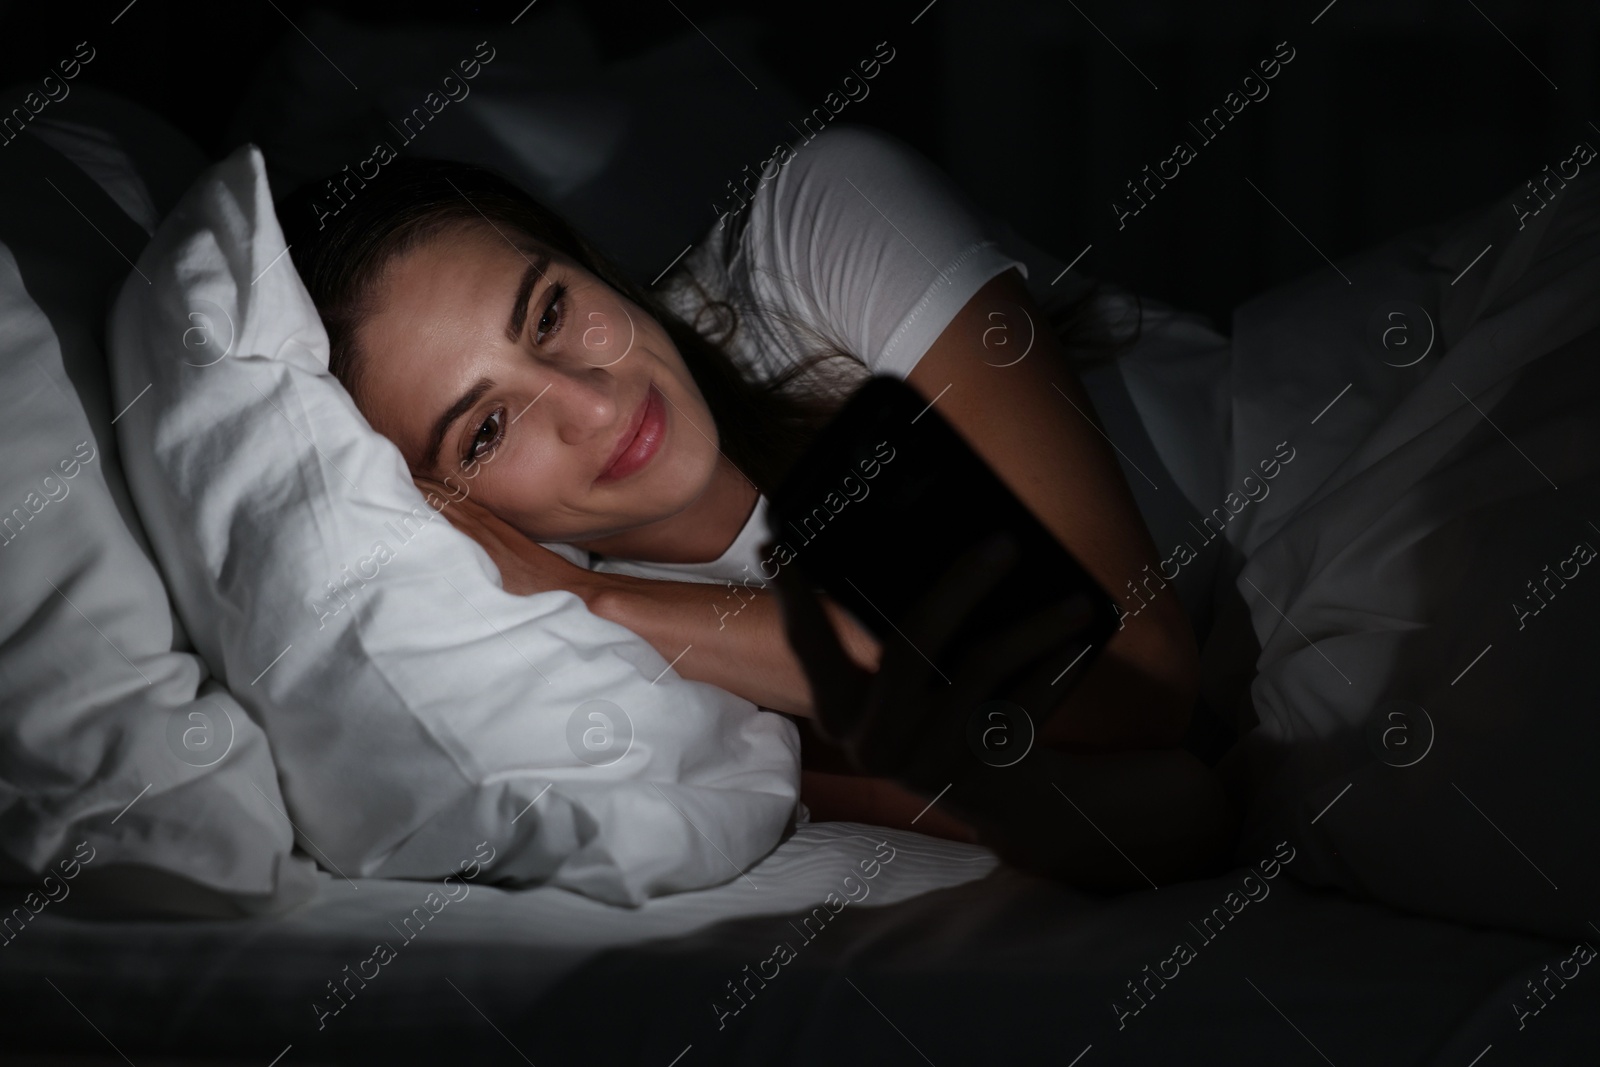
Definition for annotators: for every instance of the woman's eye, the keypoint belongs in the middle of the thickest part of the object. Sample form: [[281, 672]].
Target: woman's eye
[[550, 321], [486, 438]]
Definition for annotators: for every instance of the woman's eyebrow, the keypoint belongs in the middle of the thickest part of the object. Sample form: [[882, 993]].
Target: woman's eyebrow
[[519, 318], [441, 426], [519, 305]]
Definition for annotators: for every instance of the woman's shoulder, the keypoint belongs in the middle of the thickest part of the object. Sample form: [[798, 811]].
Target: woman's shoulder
[[857, 170], [850, 235], [846, 146], [772, 236], [846, 172]]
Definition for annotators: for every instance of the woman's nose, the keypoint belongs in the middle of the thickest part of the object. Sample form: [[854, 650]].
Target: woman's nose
[[586, 403]]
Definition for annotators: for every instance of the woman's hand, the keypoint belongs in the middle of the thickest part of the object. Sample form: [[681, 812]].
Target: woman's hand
[[526, 567], [1100, 820], [909, 720]]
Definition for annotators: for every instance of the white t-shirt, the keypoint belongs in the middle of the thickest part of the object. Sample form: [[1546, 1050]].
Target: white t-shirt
[[858, 238]]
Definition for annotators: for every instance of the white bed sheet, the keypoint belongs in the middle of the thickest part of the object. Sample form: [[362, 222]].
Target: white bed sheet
[[971, 964], [348, 916]]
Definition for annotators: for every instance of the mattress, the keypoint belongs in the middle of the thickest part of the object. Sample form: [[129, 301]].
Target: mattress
[[939, 955]]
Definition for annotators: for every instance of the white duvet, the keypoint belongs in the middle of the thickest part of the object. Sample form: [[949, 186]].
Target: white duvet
[[1419, 580]]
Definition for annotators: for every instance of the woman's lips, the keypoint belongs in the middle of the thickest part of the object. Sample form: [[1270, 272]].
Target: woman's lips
[[637, 448]]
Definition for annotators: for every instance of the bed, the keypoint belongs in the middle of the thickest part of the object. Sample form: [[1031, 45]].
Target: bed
[[947, 959], [1375, 915]]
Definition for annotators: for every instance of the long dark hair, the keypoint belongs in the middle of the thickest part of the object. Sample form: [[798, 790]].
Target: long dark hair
[[764, 424]]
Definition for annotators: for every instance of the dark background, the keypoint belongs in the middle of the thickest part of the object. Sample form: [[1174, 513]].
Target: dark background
[[1394, 114]]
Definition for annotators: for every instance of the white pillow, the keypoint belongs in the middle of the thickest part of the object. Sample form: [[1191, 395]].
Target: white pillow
[[116, 750], [436, 711]]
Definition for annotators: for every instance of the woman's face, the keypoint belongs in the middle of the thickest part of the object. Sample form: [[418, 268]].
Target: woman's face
[[560, 405]]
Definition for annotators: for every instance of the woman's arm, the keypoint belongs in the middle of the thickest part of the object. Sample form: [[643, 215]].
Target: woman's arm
[[1100, 820], [740, 648], [745, 652], [1030, 421]]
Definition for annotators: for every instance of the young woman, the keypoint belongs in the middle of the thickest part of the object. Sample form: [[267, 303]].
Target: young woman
[[638, 432]]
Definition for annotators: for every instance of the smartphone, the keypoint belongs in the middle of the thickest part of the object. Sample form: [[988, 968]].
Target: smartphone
[[886, 498]]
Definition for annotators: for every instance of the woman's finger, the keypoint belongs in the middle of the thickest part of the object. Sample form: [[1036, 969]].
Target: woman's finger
[[972, 576], [1042, 691], [1038, 642], [451, 506], [428, 485], [836, 682], [978, 675], [909, 682]]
